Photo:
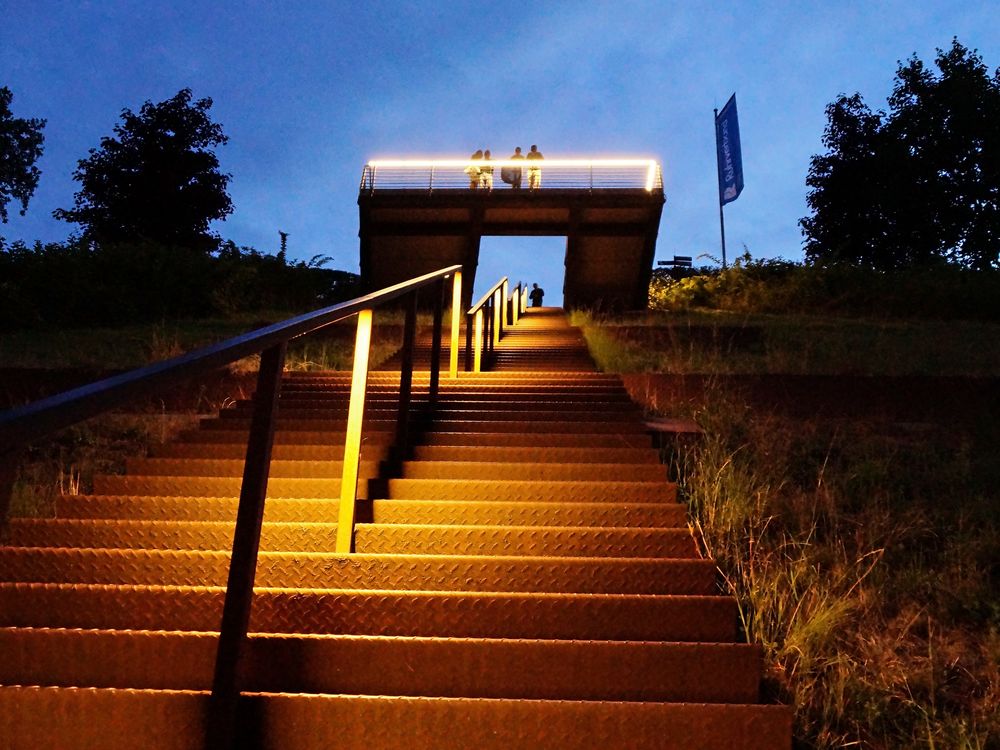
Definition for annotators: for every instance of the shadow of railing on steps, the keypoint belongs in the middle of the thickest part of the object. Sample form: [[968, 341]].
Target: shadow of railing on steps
[[21, 426]]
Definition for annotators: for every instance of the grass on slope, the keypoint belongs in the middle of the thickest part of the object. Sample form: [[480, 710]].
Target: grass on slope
[[864, 555], [726, 343]]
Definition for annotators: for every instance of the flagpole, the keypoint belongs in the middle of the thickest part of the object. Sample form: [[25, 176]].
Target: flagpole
[[718, 170]]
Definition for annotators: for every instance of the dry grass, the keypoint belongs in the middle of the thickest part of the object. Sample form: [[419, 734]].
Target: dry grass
[[866, 565]]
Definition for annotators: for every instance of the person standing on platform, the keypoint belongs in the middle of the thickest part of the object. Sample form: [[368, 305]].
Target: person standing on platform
[[536, 294], [534, 173], [514, 173], [486, 172], [473, 170]]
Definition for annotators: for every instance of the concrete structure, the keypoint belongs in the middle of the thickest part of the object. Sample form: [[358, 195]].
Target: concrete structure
[[411, 226]]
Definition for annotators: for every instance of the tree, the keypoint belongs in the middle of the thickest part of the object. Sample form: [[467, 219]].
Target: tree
[[157, 180], [918, 185], [20, 147]]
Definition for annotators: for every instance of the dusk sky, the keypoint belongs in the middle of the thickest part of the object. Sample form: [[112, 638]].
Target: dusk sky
[[309, 91]]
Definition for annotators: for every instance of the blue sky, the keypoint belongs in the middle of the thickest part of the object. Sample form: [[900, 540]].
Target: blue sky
[[308, 91]]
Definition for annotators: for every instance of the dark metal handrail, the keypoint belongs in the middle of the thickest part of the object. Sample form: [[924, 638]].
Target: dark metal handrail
[[21, 425], [26, 423]]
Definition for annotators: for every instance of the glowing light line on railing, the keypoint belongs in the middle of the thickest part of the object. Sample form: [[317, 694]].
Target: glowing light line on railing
[[542, 163]]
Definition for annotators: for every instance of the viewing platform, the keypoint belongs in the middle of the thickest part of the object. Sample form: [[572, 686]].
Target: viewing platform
[[417, 215]]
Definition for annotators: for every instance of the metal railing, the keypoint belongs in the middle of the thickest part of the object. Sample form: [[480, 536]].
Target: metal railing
[[23, 425], [542, 174], [487, 320]]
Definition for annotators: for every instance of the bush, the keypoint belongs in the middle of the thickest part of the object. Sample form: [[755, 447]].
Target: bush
[[946, 292], [78, 283]]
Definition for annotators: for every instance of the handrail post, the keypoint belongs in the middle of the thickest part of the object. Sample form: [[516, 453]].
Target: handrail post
[[8, 474], [477, 355], [469, 325], [436, 340], [406, 377], [497, 321], [515, 303], [456, 318], [489, 322], [243, 562], [504, 322], [352, 442]]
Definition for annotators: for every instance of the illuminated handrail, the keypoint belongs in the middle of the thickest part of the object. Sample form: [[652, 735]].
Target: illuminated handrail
[[23, 425], [484, 326], [467, 174]]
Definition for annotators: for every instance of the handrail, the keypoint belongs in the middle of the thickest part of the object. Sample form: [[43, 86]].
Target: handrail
[[484, 326], [21, 425], [487, 175], [37, 419]]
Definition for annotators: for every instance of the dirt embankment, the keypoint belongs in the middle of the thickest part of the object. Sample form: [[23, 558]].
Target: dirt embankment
[[19, 386], [904, 399]]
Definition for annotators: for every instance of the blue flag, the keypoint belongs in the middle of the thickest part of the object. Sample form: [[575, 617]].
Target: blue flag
[[727, 144]]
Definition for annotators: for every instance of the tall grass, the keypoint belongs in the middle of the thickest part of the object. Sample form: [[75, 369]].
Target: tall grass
[[866, 566], [737, 343]]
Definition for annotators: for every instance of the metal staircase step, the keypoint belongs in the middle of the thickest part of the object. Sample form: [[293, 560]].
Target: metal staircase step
[[575, 439], [529, 470], [188, 486], [497, 513], [462, 614], [537, 454], [175, 535], [359, 665], [175, 720], [535, 541], [566, 575], [532, 491]]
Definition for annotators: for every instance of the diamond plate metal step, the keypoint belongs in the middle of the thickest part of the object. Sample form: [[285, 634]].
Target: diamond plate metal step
[[408, 613], [532, 491], [530, 470], [363, 571], [537, 454], [174, 720], [359, 665], [535, 541], [497, 513]]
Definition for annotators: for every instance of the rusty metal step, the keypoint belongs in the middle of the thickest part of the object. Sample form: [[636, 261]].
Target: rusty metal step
[[409, 613], [229, 433], [539, 426], [537, 454], [527, 471], [285, 452], [175, 720], [163, 535], [363, 571], [497, 513], [533, 491], [219, 467], [360, 665], [534, 541], [215, 486], [181, 508], [577, 439]]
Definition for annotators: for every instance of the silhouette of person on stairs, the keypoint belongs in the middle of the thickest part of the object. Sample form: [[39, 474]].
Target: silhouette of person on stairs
[[535, 295]]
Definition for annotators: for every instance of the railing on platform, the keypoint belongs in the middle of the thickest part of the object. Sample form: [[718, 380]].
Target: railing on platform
[[479, 175], [23, 425]]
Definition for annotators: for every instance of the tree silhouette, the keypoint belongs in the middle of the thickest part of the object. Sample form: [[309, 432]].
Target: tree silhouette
[[20, 147], [917, 185], [157, 180]]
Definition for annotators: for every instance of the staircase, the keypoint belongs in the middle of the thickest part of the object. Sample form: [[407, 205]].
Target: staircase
[[525, 579]]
